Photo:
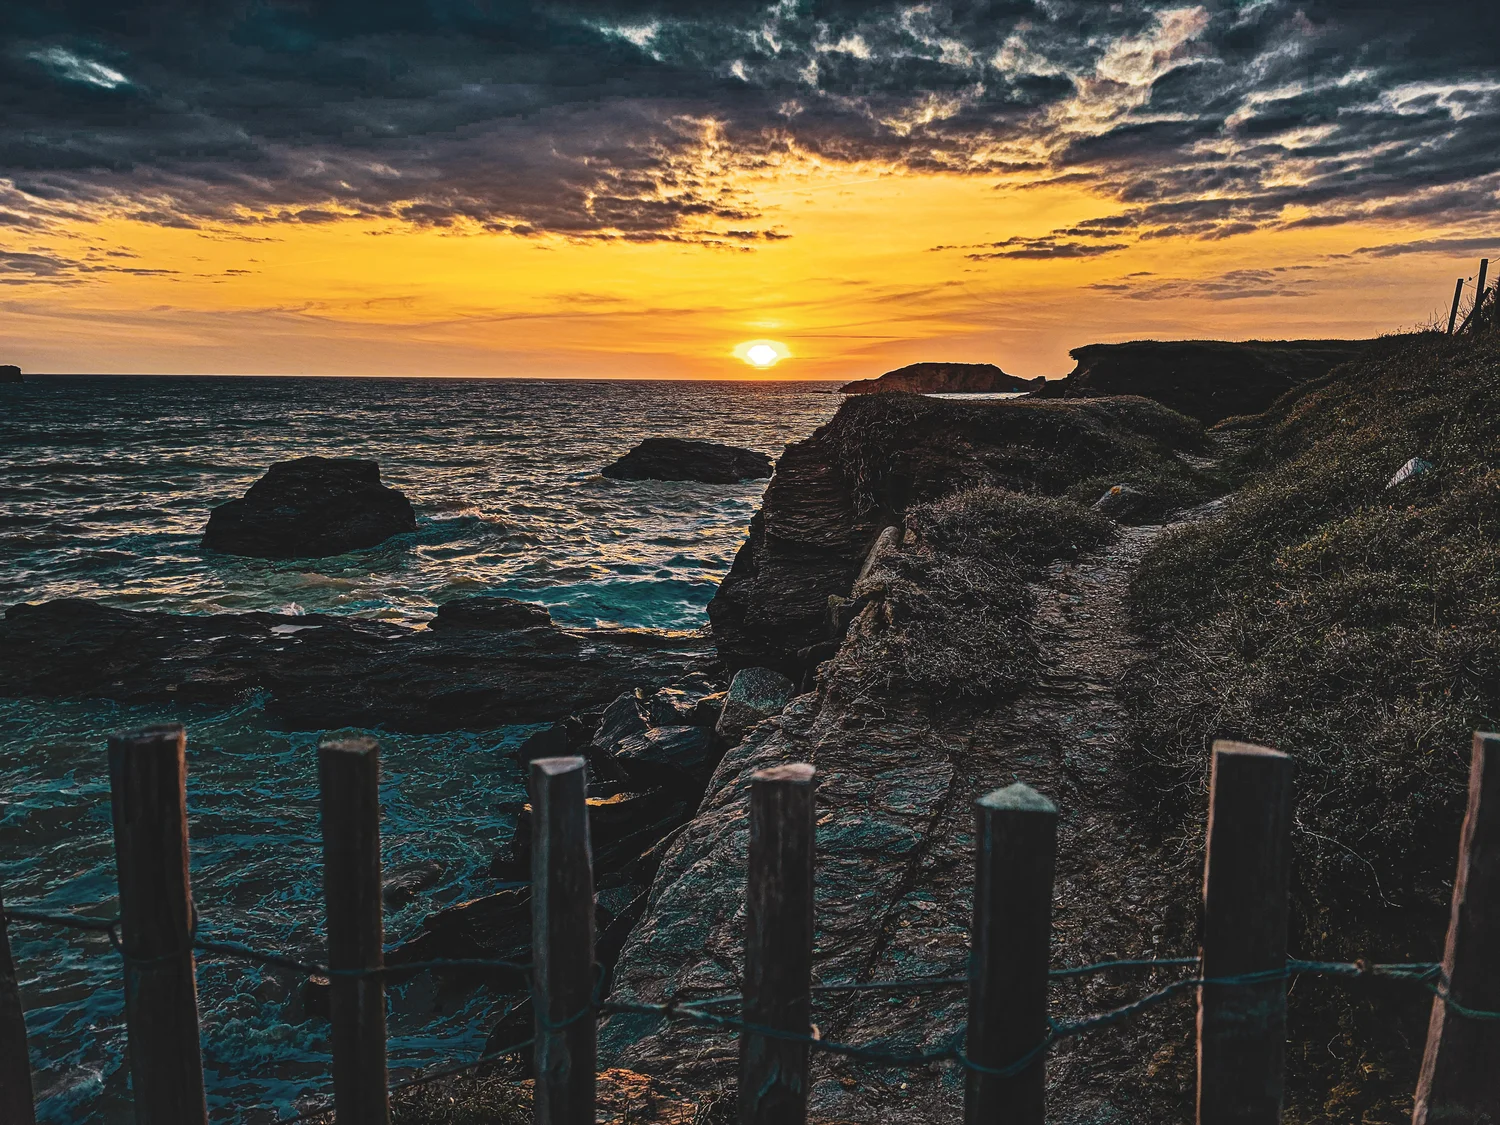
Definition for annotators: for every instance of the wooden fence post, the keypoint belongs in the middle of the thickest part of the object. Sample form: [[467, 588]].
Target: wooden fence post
[[1460, 1079], [562, 942], [16, 1105], [1247, 872], [349, 785], [148, 792], [778, 946], [1476, 310], [1010, 952], [1458, 295]]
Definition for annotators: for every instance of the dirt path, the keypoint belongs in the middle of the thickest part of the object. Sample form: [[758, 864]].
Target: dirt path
[[895, 877]]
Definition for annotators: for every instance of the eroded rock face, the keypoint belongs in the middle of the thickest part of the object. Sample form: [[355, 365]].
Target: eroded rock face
[[754, 695], [681, 459], [310, 508], [324, 672]]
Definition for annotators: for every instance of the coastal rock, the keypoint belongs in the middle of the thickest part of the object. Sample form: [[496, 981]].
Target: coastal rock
[[680, 459], [310, 508], [1205, 379], [622, 827], [754, 696], [671, 757], [676, 706], [321, 672], [490, 613], [403, 884], [9, 373], [835, 492], [944, 378]]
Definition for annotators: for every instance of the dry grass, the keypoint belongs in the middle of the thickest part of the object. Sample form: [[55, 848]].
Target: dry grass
[[1357, 628]]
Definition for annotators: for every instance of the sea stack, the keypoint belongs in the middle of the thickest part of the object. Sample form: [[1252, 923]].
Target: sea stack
[[9, 373], [310, 508], [661, 458]]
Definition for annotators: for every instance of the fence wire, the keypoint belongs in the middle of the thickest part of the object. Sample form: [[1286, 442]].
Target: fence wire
[[697, 1011]]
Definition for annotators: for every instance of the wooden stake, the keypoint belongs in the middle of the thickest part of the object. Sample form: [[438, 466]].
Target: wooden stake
[[1460, 1079], [778, 946], [1476, 312], [1247, 872], [1011, 949], [562, 942], [1458, 294], [16, 1106], [147, 777], [349, 784]]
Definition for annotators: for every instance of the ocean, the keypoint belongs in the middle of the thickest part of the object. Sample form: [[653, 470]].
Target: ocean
[[105, 485]]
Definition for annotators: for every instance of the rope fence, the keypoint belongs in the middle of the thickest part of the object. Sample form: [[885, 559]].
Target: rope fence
[[1001, 1046]]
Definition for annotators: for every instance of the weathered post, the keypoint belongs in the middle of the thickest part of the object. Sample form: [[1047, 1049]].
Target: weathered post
[[562, 942], [1458, 295], [148, 796], [1010, 951], [1476, 311], [16, 1105], [349, 785], [778, 946], [1247, 871], [1460, 1079]]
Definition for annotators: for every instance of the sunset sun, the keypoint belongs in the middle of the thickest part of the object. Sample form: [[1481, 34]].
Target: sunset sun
[[762, 353]]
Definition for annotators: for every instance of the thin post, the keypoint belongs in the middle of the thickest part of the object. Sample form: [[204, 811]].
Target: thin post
[[1247, 872], [778, 946], [349, 785], [1460, 1079], [16, 1107], [562, 942], [1011, 949], [1475, 312], [148, 797], [1458, 295]]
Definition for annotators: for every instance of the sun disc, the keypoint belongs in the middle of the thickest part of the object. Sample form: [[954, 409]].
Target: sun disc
[[762, 353]]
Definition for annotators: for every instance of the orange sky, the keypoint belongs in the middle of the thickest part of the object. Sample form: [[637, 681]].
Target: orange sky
[[855, 290]]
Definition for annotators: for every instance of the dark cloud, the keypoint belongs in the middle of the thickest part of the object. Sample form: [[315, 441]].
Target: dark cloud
[[1040, 248], [1433, 246], [1234, 285], [634, 120]]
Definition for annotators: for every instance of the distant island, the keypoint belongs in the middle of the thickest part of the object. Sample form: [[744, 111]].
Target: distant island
[[9, 373], [944, 378]]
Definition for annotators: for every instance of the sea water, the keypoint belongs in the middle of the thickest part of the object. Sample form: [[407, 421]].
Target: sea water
[[105, 485]]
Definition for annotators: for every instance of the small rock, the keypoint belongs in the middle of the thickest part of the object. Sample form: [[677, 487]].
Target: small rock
[[755, 695], [668, 756], [680, 459], [620, 720], [490, 613], [310, 508], [708, 709], [673, 707], [402, 884], [1121, 502], [1413, 468]]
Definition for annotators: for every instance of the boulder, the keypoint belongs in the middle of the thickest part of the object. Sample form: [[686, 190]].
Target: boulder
[[1122, 503], [708, 710], [681, 459], [322, 672], [9, 373], [310, 508], [675, 707], [754, 696], [671, 757], [490, 613], [621, 720]]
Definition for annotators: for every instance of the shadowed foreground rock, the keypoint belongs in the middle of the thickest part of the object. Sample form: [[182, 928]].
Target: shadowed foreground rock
[[310, 508], [679, 459], [326, 671]]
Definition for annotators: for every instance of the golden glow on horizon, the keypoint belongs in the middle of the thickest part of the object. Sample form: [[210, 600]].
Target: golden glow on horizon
[[854, 288], [763, 354]]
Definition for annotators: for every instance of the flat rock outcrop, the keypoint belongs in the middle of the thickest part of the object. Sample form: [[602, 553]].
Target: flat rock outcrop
[[312, 507], [835, 492], [9, 373], [661, 458], [322, 671], [491, 613], [1205, 379], [944, 378]]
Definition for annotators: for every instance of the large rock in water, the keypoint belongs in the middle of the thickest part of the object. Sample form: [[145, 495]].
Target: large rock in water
[[944, 378], [322, 672], [9, 373], [662, 458], [310, 508]]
